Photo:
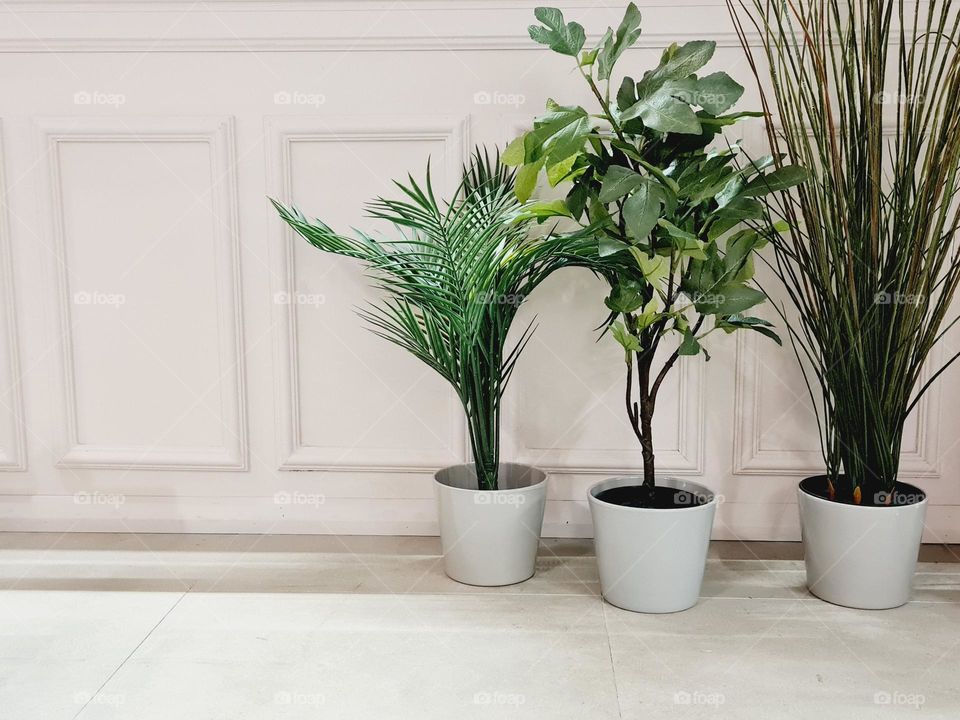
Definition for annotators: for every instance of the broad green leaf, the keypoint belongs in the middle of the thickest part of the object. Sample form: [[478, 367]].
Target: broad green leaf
[[779, 179], [707, 119], [649, 315], [653, 268], [739, 322], [717, 93], [558, 171], [526, 180], [577, 199], [674, 231], [614, 45], [625, 297], [738, 248], [664, 113], [665, 179], [627, 94], [539, 140], [567, 141], [741, 208], [727, 299], [687, 244], [678, 62], [641, 211], [690, 344], [755, 166], [561, 37], [720, 226], [617, 182], [543, 210], [609, 246], [589, 57], [729, 192], [513, 154], [621, 335]]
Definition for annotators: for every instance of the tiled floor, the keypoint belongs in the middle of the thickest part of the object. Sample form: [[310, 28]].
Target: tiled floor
[[235, 627]]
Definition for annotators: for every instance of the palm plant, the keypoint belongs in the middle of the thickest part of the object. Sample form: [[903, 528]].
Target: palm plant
[[866, 93], [453, 281]]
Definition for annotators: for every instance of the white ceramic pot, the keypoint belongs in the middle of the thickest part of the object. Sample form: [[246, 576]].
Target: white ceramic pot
[[490, 537], [651, 560], [857, 556]]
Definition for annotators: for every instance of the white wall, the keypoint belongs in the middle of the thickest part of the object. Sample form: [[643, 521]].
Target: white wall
[[164, 385]]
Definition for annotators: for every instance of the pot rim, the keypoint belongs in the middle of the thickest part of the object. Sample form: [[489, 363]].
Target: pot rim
[[862, 508], [525, 488], [703, 490]]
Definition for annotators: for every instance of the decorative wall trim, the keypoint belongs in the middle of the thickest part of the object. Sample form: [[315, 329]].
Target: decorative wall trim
[[282, 133], [750, 458], [11, 458], [218, 134], [132, 26], [684, 457]]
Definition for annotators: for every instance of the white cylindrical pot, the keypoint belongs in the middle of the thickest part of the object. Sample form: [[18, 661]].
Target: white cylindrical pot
[[861, 556], [490, 537], [652, 560]]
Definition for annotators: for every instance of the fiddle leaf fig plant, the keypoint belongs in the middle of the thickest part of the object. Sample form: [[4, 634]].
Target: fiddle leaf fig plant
[[648, 176]]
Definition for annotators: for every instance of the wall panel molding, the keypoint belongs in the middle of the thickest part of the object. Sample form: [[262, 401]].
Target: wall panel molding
[[13, 457], [324, 25], [683, 456], [282, 134], [751, 458], [218, 135]]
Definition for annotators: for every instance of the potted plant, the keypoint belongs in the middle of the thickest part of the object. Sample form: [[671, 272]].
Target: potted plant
[[664, 201], [866, 97], [453, 279]]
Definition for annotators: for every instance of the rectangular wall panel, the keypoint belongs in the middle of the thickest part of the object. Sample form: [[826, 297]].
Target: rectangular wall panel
[[347, 399], [143, 217]]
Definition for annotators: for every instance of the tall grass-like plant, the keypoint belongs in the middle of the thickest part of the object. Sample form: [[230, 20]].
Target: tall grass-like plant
[[453, 280], [867, 98]]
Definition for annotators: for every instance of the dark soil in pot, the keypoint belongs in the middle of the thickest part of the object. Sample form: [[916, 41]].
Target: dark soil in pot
[[903, 493], [662, 498]]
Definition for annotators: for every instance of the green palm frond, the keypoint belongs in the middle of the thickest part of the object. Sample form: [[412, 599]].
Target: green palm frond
[[453, 278]]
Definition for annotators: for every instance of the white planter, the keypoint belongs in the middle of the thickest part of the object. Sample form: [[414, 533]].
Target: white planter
[[490, 537], [861, 557], [651, 560]]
